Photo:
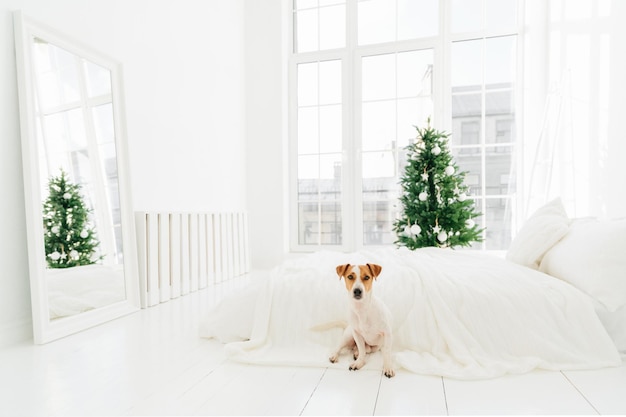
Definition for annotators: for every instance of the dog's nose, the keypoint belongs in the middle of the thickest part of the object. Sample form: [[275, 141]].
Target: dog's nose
[[357, 293]]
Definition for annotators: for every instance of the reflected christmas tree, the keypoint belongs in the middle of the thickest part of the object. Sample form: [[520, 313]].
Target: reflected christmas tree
[[69, 238]]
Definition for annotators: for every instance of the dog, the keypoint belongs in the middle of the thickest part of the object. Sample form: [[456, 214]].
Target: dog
[[369, 322]]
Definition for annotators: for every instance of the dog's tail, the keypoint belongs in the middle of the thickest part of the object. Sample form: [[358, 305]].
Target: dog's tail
[[329, 325]]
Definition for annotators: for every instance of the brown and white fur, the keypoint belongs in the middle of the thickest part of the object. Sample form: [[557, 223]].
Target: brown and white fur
[[369, 323]]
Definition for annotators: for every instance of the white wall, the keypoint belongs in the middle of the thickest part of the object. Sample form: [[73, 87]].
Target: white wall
[[184, 67], [266, 83]]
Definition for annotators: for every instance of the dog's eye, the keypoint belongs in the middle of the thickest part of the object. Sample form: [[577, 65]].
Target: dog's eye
[[350, 277], [366, 277]]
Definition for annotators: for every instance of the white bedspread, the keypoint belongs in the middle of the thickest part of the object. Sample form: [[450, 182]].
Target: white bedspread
[[83, 288], [456, 314]]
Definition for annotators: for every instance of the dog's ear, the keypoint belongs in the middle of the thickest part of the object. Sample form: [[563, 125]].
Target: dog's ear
[[342, 269], [374, 269]]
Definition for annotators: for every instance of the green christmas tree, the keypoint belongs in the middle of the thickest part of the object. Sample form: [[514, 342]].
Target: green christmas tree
[[69, 238], [437, 210]]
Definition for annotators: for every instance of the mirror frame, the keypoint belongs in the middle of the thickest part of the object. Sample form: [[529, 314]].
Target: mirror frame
[[44, 329]]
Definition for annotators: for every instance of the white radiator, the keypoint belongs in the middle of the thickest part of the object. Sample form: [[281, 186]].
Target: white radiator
[[180, 253]]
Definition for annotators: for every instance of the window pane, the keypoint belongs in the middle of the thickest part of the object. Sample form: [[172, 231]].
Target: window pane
[[319, 28], [498, 223], [308, 167], [411, 112], [500, 174], [330, 128], [330, 173], [500, 117], [308, 189], [378, 125], [378, 164], [466, 105], [501, 130], [466, 119], [330, 223], [305, 4], [332, 27], [500, 62], [307, 84], [417, 18], [499, 103], [501, 14], [414, 73], [103, 124], [57, 74], [306, 30], [380, 188], [98, 79], [376, 21], [466, 68], [379, 77], [308, 223], [330, 82], [308, 133], [379, 21], [472, 166], [466, 15], [378, 219]]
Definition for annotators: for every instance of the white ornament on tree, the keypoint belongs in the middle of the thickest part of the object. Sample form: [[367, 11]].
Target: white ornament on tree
[[436, 229], [436, 150], [55, 230], [422, 196], [84, 234], [415, 229], [74, 254], [449, 170], [407, 231], [462, 197], [469, 223], [55, 256], [67, 196], [442, 236], [424, 176]]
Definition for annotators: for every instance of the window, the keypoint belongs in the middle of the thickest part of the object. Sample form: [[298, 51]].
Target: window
[[363, 74]]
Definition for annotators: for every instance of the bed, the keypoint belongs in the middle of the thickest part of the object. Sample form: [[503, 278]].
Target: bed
[[456, 313], [82, 288]]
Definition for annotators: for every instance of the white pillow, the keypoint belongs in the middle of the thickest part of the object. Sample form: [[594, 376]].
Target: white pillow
[[543, 229], [592, 257]]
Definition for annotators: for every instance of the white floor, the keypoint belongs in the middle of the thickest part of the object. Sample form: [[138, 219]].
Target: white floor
[[153, 363]]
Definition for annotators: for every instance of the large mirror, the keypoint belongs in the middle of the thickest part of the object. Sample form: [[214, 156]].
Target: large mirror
[[81, 243]]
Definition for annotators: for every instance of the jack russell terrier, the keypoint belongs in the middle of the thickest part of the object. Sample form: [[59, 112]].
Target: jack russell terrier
[[369, 323]]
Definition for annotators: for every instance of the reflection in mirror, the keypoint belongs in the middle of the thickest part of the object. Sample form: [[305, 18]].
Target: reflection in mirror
[[81, 245], [79, 171]]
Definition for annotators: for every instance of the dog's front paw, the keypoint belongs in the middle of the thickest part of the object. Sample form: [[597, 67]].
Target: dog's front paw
[[333, 358], [356, 365], [389, 373]]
